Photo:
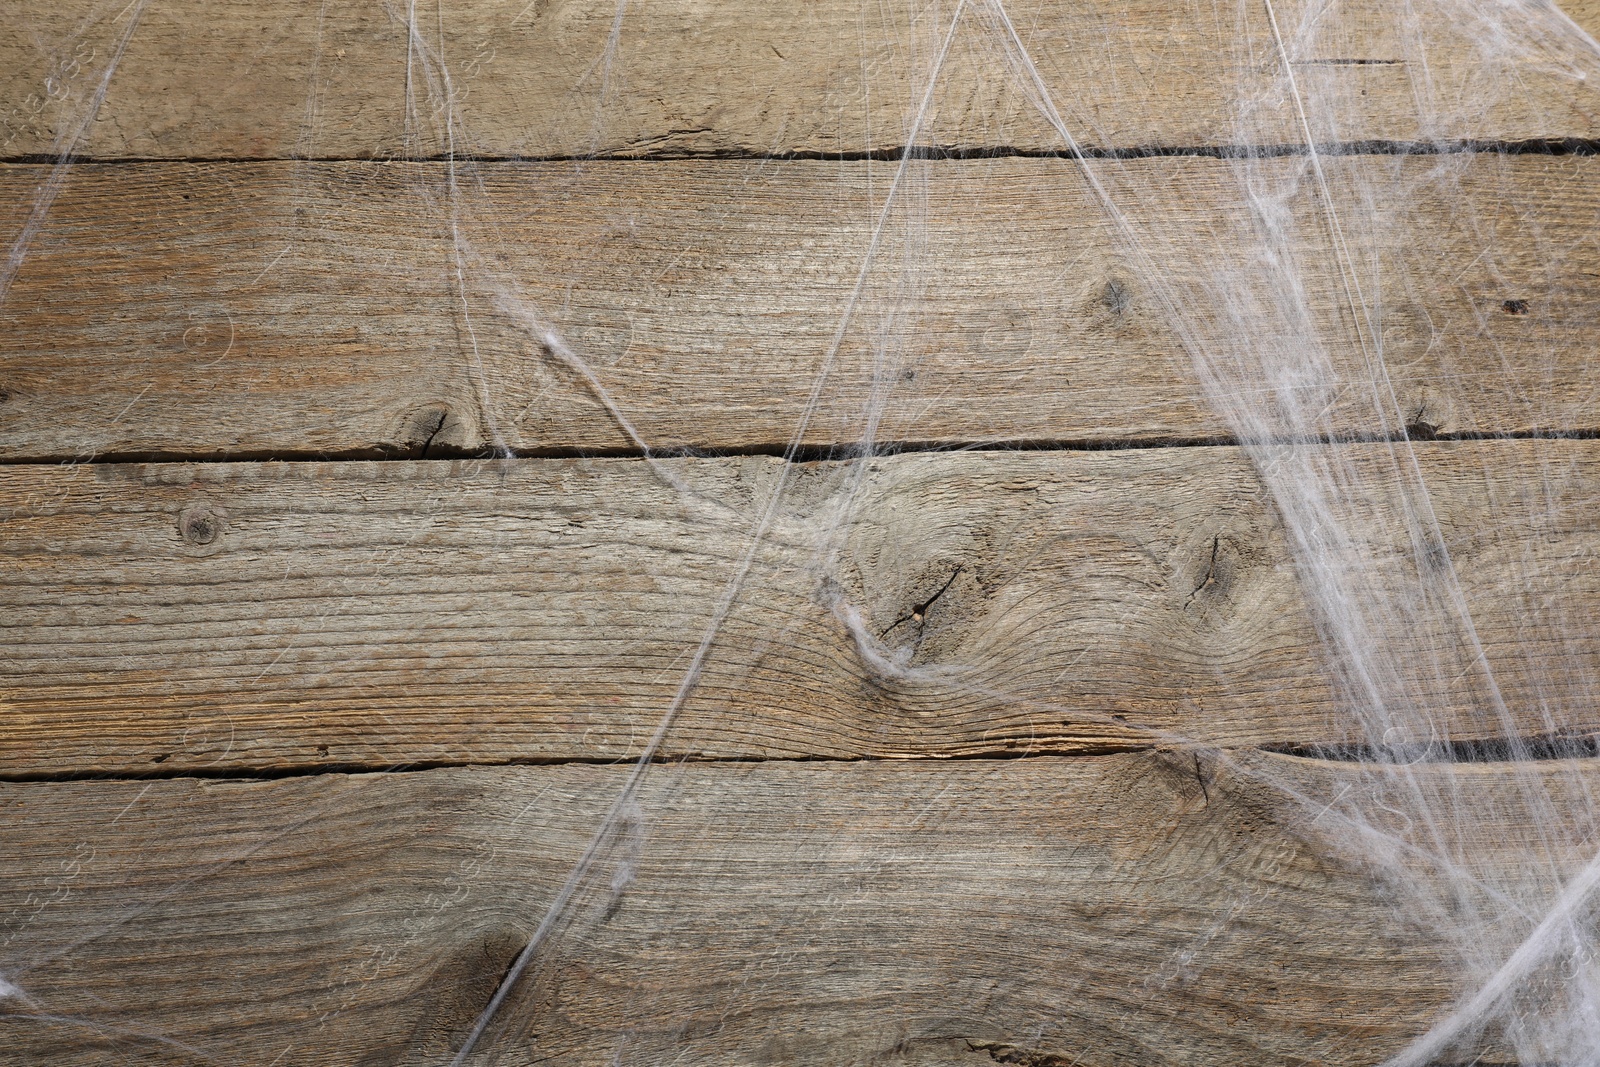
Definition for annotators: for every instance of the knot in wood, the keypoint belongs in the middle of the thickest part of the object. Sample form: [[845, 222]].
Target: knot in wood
[[201, 525]]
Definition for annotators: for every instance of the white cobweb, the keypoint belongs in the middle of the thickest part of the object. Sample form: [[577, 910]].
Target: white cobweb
[[1346, 245]]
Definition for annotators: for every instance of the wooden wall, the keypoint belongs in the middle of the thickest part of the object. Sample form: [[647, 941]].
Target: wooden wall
[[311, 699]]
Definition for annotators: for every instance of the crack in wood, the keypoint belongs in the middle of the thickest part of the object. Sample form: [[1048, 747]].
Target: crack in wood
[[919, 611], [1210, 577]]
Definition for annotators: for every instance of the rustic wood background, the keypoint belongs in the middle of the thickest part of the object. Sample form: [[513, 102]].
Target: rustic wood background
[[309, 704]]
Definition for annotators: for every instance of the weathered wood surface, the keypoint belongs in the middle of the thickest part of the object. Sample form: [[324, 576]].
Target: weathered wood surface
[[172, 616], [1131, 909], [238, 79], [198, 311]]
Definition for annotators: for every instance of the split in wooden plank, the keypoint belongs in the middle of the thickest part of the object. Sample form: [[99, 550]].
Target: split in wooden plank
[[182, 311], [242, 616], [1143, 908], [569, 78]]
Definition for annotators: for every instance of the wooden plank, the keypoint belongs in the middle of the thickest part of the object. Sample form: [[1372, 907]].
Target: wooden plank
[[561, 77], [204, 311], [166, 618], [1132, 909]]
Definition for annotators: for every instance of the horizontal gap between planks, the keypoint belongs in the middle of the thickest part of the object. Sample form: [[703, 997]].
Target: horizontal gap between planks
[[1482, 750], [820, 453], [307, 770], [1546, 146], [1475, 751]]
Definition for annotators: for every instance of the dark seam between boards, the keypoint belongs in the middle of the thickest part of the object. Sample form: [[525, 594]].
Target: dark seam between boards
[[811, 453], [1473, 751], [1539, 146]]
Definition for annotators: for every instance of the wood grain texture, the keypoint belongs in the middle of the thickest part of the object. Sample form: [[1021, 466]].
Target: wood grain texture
[[172, 617], [200, 311], [503, 77], [1150, 901], [1141, 908]]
